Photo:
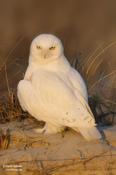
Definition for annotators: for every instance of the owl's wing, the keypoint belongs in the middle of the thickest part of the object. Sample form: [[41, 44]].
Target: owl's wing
[[56, 92], [63, 107], [80, 88], [78, 83]]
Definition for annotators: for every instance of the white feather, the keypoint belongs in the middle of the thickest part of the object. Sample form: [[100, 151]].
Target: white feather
[[54, 92]]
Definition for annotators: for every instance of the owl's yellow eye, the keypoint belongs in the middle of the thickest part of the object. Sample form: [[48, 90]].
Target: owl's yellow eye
[[52, 48], [38, 47]]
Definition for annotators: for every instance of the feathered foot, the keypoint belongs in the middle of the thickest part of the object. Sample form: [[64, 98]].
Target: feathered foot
[[49, 129]]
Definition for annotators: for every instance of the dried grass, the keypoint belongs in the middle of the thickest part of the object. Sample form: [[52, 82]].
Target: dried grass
[[97, 56], [90, 67], [4, 139], [102, 78], [11, 109]]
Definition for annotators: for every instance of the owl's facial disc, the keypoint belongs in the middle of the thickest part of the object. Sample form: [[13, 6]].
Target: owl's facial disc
[[46, 47], [46, 52]]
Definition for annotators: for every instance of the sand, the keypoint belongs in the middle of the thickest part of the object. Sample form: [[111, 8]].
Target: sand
[[62, 154]]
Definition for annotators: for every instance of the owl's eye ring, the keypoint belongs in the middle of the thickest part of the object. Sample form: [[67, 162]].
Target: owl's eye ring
[[52, 48], [38, 47]]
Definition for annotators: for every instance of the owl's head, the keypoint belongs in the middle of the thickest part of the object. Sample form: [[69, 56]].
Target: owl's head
[[46, 48]]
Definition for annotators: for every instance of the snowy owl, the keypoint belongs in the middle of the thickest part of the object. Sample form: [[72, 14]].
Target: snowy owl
[[55, 92]]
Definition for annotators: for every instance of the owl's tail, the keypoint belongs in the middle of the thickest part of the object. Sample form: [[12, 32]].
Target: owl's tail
[[91, 133]]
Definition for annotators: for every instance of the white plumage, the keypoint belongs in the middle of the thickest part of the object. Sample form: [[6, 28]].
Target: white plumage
[[54, 92]]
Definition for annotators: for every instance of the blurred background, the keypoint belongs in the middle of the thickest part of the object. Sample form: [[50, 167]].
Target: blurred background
[[87, 30]]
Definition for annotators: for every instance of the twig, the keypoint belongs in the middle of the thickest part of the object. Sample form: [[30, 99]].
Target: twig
[[6, 75]]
